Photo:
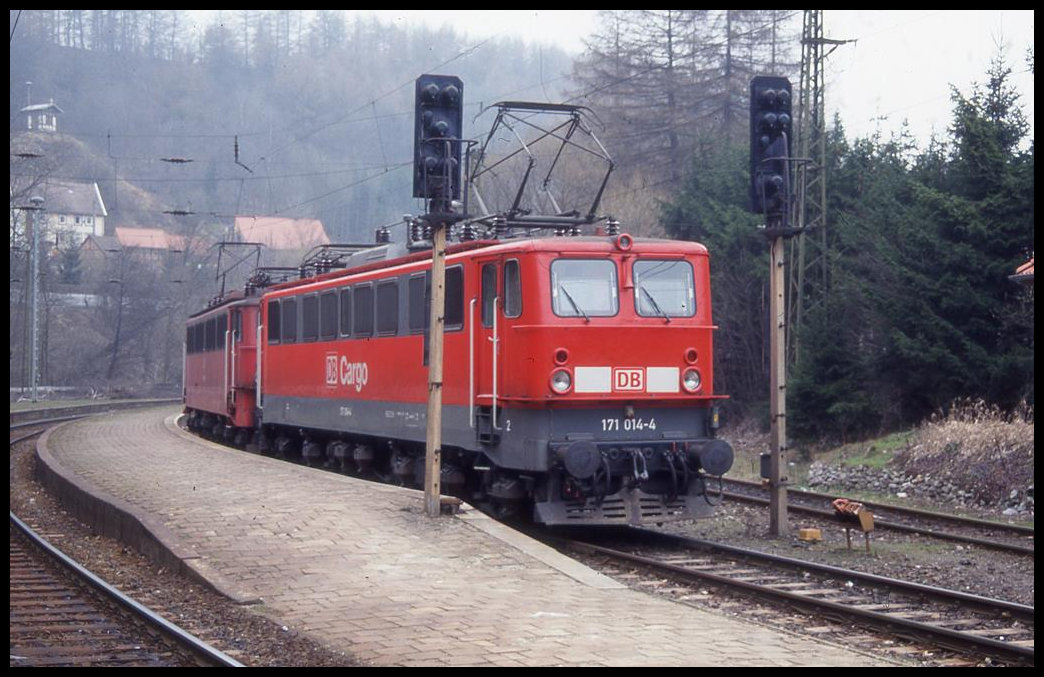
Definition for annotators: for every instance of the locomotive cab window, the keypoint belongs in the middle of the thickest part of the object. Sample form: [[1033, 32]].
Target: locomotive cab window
[[274, 323], [512, 289], [454, 298], [289, 320], [584, 288], [489, 293], [664, 288]]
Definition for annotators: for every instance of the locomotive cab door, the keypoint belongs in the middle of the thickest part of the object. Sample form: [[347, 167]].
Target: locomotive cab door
[[498, 301], [242, 361]]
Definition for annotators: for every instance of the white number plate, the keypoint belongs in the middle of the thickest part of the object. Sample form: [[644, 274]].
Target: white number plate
[[628, 424]]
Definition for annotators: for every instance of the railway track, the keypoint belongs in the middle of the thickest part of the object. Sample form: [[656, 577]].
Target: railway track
[[971, 627], [985, 533], [58, 413], [62, 615]]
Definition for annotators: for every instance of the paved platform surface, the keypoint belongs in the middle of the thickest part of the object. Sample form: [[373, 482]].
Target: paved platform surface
[[359, 567]]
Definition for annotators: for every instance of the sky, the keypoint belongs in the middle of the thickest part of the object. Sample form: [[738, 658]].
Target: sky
[[899, 66], [903, 63]]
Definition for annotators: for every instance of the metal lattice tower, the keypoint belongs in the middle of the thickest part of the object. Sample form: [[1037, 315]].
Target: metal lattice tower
[[810, 272]]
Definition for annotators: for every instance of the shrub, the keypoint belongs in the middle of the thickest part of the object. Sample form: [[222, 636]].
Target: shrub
[[977, 446]]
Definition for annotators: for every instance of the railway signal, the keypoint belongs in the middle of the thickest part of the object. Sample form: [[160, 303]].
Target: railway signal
[[437, 142], [771, 125], [438, 126]]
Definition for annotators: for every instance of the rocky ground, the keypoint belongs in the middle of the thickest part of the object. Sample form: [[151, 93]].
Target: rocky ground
[[971, 569], [973, 462]]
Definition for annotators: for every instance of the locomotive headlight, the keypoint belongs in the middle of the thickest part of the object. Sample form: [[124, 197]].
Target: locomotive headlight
[[691, 380], [561, 381]]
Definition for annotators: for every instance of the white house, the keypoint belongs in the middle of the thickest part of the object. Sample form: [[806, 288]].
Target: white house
[[42, 117], [73, 211]]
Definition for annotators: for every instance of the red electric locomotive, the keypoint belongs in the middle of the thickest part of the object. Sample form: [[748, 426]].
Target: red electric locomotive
[[220, 369], [578, 379]]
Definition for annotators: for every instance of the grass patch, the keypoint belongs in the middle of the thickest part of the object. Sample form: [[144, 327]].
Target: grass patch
[[876, 453]]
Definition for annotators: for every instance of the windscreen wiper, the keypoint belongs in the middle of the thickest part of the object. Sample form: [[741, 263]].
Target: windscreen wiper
[[655, 305], [572, 302]]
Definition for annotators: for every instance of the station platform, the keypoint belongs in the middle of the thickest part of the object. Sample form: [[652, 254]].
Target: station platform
[[360, 568]]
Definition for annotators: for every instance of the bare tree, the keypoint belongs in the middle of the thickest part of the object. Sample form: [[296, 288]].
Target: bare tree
[[663, 79]]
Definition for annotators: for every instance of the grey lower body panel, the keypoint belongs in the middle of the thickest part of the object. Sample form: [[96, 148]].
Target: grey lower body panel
[[391, 420], [524, 436]]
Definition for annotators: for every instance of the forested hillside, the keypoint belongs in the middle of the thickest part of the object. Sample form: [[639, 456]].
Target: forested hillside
[[277, 116]]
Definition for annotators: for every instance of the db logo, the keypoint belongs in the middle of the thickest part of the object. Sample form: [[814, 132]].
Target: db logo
[[331, 369], [628, 378], [339, 371]]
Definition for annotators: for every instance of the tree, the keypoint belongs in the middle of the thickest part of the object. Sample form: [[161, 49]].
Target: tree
[[665, 79], [922, 311], [984, 207], [69, 271], [712, 208]]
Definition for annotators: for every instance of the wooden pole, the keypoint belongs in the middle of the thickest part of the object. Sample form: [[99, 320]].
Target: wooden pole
[[778, 393], [433, 452]]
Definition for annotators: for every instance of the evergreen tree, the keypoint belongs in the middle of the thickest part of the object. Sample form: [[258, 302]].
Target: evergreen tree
[[983, 206], [712, 208], [922, 311]]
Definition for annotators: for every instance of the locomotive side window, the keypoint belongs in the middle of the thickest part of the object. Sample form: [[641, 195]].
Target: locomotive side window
[[512, 289], [222, 326], [388, 307], [362, 311], [418, 306], [584, 288], [211, 334], [310, 318], [289, 320], [489, 293], [346, 311], [454, 298], [328, 315], [274, 322], [664, 289]]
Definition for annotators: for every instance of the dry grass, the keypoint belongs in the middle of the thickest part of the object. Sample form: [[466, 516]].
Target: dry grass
[[976, 446]]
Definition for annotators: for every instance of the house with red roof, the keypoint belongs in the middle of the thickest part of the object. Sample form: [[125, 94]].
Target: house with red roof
[[281, 233]]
